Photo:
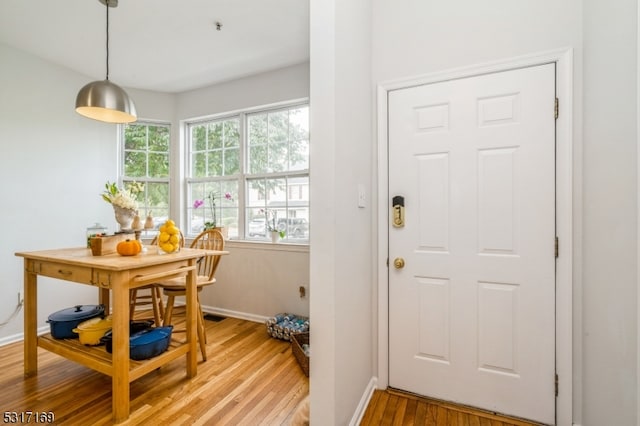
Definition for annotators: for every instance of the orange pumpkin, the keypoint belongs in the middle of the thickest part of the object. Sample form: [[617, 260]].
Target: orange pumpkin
[[129, 247]]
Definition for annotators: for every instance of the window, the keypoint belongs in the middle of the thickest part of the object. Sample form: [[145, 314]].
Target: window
[[255, 165], [145, 158]]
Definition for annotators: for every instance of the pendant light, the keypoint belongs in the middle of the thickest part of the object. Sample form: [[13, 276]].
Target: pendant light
[[104, 100]]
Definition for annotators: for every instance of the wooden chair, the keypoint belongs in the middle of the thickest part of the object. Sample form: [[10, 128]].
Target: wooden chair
[[210, 239], [149, 294]]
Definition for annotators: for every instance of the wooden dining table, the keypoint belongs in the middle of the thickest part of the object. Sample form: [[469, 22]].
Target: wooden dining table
[[113, 275]]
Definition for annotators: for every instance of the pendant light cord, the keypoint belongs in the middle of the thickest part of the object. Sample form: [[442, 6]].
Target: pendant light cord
[[107, 5]]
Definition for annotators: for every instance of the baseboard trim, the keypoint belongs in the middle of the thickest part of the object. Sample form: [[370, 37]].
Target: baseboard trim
[[364, 402], [229, 313], [19, 337], [234, 314], [11, 339]]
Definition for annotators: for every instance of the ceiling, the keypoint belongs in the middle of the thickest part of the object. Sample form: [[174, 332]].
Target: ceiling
[[161, 45]]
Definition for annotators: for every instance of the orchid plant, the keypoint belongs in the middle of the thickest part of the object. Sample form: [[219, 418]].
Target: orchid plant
[[272, 222], [211, 198]]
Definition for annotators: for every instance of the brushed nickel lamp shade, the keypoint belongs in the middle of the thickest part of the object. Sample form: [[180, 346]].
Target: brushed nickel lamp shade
[[104, 100]]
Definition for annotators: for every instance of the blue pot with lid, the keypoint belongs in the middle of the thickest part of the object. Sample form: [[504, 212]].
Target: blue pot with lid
[[63, 322], [145, 343]]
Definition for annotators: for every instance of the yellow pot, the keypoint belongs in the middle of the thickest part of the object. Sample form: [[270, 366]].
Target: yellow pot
[[92, 330]]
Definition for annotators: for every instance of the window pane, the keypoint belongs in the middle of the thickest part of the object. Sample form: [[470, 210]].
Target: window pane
[[277, 157], [145, 156], [256, 193], [158, 165], [199, 164], [256, 225], [278, 126], [257, 129], [159, 138], [215, 148], [201, 206], [257, 159], [282, 204], [214, 163], [276, 192], [299, 124], [135, 164], [198, 138], [215, 135], [299, 138], [231, 161], [299, 155], [197, 207], [135, 136], [157, 203], [231, 134]]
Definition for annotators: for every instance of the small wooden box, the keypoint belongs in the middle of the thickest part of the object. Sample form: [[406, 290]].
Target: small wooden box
[[107, 244]]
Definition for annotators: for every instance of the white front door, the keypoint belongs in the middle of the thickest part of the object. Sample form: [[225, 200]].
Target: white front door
[[471, 313]]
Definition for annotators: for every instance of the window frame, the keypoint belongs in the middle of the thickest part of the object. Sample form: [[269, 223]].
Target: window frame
[[242, 176], [144, 206]]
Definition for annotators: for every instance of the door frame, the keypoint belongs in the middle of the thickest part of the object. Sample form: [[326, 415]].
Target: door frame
[[563, 59]]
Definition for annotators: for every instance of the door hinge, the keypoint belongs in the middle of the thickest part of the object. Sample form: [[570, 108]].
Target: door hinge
[[556, 109], [557, 251], [557, 385]]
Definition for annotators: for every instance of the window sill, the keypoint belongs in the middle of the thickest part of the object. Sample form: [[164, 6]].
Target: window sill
[[255, 245], [267, 245]]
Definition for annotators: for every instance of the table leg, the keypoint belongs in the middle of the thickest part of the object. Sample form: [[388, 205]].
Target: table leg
[[103, 298], [120, 352], [192, 311], [30, 321]]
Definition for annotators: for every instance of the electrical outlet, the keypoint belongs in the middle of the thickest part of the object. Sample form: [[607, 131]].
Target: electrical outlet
[[20, 298], [362, 197], [303, 291]]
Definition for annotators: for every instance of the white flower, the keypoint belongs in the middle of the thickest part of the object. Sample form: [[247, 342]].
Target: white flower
[[125, 198]]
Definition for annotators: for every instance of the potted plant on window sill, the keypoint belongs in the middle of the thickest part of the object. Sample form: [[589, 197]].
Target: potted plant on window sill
[[277, 232], [212, 224]]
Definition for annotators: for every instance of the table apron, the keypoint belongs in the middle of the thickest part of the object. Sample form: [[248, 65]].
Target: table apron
[[104, 278]]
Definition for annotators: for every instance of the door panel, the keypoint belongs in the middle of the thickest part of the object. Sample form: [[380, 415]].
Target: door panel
[[471, 315]]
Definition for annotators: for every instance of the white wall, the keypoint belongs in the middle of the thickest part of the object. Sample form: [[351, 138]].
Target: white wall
[[55, 164], [610, 198], [256, 282], [270, 87], [341, 254], [414, 37]]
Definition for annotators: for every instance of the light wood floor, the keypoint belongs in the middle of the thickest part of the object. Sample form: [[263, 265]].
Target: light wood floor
[[248, 379], [389, 407]]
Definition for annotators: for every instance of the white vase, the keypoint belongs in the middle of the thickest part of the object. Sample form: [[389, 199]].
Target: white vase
[[124, 217], [275, 236]]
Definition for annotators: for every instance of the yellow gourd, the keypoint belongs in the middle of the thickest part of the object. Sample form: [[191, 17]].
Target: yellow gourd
[[129, 247]]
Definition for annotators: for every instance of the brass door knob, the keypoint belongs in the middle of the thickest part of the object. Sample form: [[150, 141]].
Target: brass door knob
[[398, 262]]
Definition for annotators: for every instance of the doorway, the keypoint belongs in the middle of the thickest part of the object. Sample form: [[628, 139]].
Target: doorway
[[489, 294]]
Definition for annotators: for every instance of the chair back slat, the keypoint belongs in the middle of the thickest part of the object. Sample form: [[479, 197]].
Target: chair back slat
[[209, 239]]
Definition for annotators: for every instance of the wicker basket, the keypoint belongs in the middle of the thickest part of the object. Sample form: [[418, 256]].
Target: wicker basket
[[283, 326], [297, 340]]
